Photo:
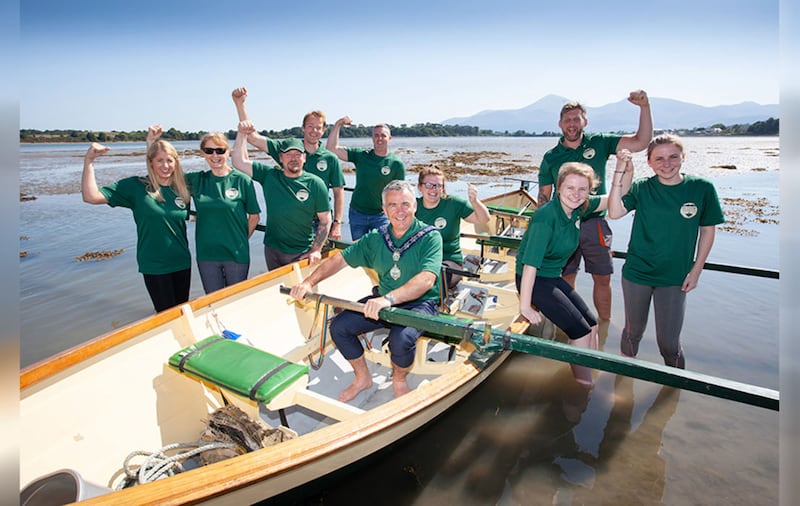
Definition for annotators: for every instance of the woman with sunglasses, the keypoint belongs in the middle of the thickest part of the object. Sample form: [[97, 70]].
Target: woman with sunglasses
[[445, 212], [160, 206], [227, 215]]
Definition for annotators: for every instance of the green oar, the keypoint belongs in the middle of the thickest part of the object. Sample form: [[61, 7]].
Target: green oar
[[513, 243], [489, 342]]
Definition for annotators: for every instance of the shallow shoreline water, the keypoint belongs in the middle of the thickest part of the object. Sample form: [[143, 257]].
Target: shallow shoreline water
[[523, 434]]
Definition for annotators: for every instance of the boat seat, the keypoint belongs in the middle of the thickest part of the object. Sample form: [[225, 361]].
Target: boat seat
[[254, 374], [246, 371]]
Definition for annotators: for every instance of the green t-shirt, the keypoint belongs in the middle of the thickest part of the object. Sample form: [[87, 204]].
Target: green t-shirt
[[292, 205], [594, 151], [446, 217], [552, 237], [223, 205], [665, 228], [161, 243], [424, 255], [322, 163], [373, 173]]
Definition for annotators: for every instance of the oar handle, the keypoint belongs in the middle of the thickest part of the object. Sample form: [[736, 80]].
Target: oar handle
[[331, 301]]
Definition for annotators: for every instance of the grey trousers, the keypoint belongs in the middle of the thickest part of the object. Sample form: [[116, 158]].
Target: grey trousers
[[669, 306]]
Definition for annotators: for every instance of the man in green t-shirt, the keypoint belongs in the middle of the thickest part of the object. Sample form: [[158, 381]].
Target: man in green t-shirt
[[594, 149], [406, 255], [375, 168], [293, 199], [319, 161]]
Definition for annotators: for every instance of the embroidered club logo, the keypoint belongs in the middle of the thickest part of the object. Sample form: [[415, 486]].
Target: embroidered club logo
[[440, 222], [589, 153], [385, 170], [179, 203], [302, 195], [232, 193], [689, 210], [322, 165]]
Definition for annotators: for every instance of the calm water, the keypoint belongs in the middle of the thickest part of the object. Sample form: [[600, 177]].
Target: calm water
[[525, 436]]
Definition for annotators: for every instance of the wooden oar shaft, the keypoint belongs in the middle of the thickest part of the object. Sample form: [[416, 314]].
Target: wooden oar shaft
[[448, 327], [331, 301]]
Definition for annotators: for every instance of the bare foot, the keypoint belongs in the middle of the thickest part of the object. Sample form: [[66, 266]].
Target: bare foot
[[349, 393], [400, 387], [583, 375]]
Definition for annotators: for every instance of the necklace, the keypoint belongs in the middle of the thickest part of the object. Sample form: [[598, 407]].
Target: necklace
[[397, 252]]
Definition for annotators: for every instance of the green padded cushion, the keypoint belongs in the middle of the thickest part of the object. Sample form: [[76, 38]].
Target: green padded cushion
[[242, 369]]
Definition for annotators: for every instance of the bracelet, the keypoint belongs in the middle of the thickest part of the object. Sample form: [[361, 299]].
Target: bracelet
[[338, 221], [620, 171]]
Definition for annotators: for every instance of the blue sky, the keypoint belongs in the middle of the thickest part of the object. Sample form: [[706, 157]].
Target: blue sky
[[119, 65]]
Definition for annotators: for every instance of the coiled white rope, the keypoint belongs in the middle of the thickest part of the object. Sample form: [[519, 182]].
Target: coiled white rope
[[159, 465]]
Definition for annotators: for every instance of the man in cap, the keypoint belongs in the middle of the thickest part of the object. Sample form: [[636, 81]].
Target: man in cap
[[319, 161], [293, 198]]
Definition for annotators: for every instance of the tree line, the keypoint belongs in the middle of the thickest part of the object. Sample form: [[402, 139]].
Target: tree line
[[770, 126]]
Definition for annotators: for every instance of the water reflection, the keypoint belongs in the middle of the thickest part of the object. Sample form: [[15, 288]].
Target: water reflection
[[530, 435]]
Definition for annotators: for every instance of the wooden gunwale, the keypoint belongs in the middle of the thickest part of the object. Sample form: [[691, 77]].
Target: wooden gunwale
[[243, 476], [38, 371]]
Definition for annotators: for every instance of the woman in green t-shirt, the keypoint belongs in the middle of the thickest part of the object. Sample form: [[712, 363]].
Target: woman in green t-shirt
[[671, 237], [160, 208], [549, 241], [445, 212], [227, 215]]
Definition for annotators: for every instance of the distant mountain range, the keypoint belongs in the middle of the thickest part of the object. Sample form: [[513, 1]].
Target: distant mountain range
[[668, 114]]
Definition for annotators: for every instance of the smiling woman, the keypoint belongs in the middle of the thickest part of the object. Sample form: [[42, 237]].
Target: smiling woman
[[549, 241], [160, 209], [676, 216], [227, 214]]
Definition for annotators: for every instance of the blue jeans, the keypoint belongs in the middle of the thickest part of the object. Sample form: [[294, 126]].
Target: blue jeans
[[347, 325], [216, 275], [361, 223]]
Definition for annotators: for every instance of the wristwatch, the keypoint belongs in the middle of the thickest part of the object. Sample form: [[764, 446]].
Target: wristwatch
[[390, 298], [338, 221]]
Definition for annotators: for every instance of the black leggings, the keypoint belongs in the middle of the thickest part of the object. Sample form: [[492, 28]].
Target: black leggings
[[168, 290], [562, 305]]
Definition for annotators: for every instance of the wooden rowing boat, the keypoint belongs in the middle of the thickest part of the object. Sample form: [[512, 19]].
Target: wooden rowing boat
[[87, 409]]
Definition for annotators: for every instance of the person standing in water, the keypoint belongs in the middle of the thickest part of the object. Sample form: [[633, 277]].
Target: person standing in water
[[549, 241], [671, 237]]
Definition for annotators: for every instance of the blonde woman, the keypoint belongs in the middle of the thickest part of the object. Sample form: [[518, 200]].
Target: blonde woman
[[160, 206], [227, 215], [550, 239]]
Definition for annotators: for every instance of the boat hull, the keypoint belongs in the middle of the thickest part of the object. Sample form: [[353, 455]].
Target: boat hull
[[89, 407]]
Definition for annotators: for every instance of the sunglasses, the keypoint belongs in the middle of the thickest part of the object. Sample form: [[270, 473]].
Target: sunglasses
[[219, 151], [432, 186]]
